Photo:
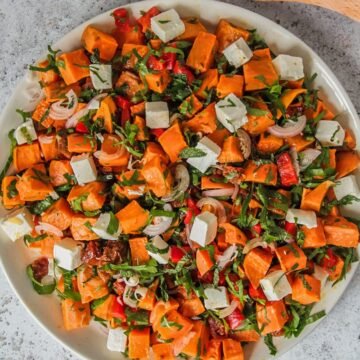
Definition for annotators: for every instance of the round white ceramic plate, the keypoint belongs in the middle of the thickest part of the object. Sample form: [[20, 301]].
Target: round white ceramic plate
[[90, 343]]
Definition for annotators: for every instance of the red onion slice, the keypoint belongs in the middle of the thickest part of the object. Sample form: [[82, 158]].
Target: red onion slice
[[43, 139], [161, 224], [307, 157], [182, 178], [48, 228], [127, 297], [291, 129], [219, 207], [218, 192], [102, 155], [229, 310], [63, 109], [256, 242], [235, 193], [227, 257], [71, 122]]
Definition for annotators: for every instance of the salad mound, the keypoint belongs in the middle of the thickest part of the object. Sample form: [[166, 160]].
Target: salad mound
[[190, 191]]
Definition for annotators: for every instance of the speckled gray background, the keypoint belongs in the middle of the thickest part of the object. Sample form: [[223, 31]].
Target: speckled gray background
[[27, 26]]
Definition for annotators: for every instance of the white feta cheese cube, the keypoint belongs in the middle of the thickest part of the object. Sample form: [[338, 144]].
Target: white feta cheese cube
[[302, 217], [289, 67], [17, 223], [231, 112], [104, 223], [162, 254], [216, 298], [67, 253], [204, 228], [348, 186], [320, 274], [116, 340], [238, 53], [275, 285], [330, 133], [211, 150], [167, 25], [84, 168], [157, 115], [25, 133], [101, 76]]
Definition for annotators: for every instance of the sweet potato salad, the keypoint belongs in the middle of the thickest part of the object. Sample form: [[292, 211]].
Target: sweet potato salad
[[190, 191]]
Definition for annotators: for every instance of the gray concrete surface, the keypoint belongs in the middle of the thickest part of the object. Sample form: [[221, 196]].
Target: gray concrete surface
[[27, 26]]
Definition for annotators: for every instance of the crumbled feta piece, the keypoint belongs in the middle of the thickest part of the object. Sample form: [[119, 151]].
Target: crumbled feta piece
[[67, 253], [116, 340], [101, 227], [231, 112], [275, 285], [302, 217], [101, 76], [84, 168], [211, 150], [167, 25], [25, 133], [238, 53], [289, 67], [216, 298], [157, 115], [17, 223], [330, 133], [204, 229], [162, 253], [320, 274], [348, 186]]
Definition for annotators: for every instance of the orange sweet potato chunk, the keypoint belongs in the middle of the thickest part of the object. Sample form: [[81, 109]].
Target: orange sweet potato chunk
[[314, 237], [91, 286], [291, 257], [230, 84], [58, 169], [139, 254], [111, 145], [340, 232], [139, 343], [262, 173], [202, 53], [204, 121], [59, 214], [193, 27], [227, 33], [34, 185], [132, 218], [97, 39], [271, 317], [74, 66], [173, 142], [209, 80], [9, 198], [76, 315], [232, 350], [306, 289], [26, 156], [231, 151], [80, 227], [92, 195], [256, 264]]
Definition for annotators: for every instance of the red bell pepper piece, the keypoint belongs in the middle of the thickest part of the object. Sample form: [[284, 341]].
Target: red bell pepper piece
[[157, 132], [169, 60], [81, 128], [235, 319], [144, 21], [155, 64], [257, 228], [124, 105], [184, 70], [256, 294], [118, 309], [192, 211], [329, 260], [288, 175], [176, 254], [290, 228], [122, 20]]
